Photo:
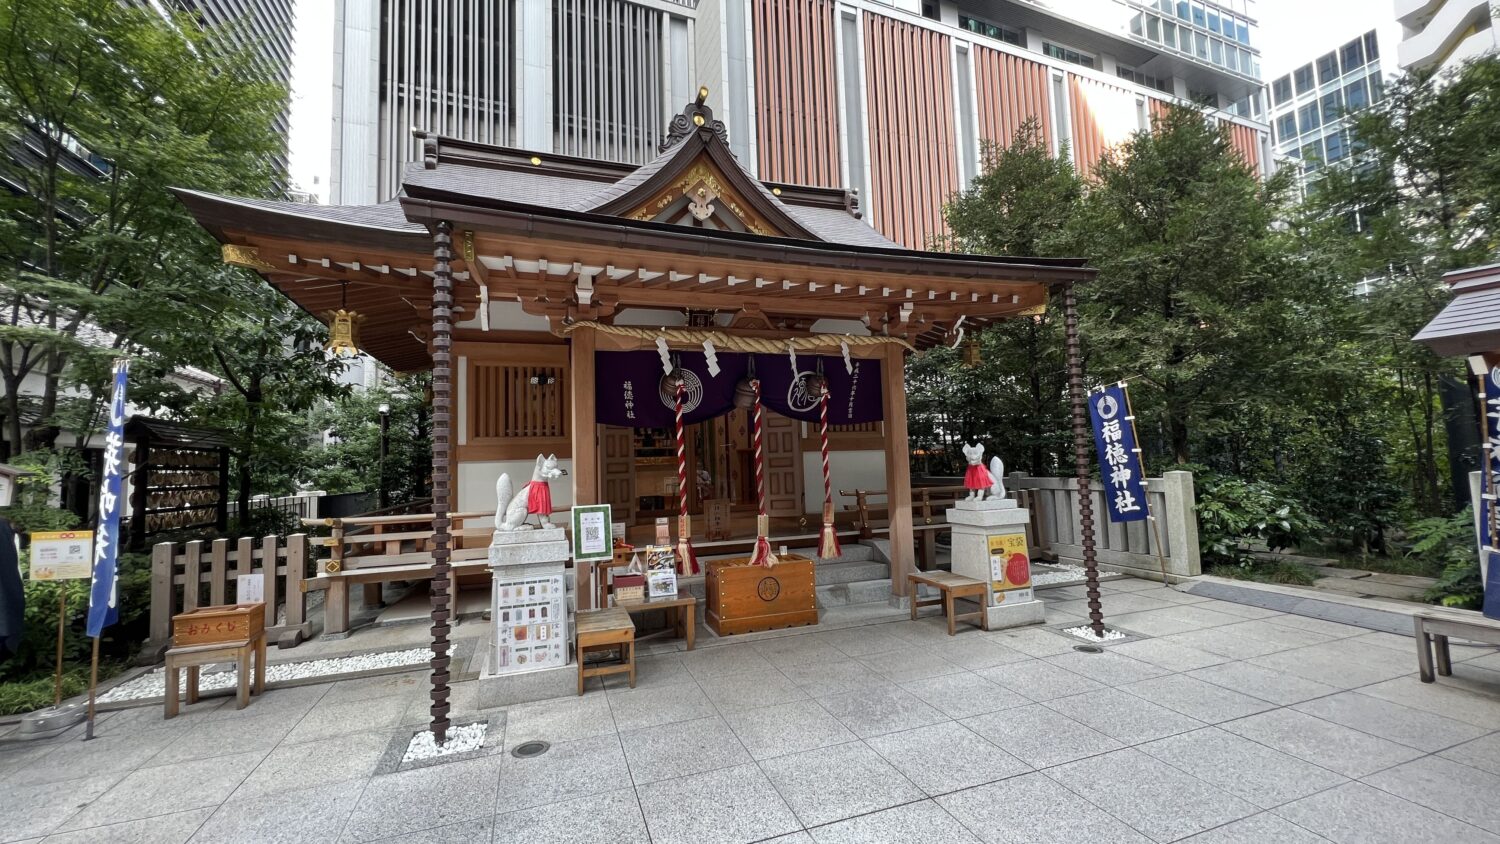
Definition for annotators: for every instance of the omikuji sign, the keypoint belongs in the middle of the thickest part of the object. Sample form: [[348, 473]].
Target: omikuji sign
[[1119, 454]]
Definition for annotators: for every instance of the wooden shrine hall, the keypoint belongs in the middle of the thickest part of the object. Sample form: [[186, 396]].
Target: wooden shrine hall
[[544, 292]]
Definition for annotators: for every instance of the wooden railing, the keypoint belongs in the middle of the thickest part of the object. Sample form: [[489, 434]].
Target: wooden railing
[[373, 550], [185, 576]]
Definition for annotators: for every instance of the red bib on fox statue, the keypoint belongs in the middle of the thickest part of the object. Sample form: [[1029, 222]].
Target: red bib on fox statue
[[538, 499], [978, 477]]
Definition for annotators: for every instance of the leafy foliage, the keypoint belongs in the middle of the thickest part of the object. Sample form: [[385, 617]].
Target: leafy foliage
[[1235, 515], [1450, 542], [350, 462]]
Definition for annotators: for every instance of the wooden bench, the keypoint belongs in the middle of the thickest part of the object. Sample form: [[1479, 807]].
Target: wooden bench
[[605, 629], [952, 586], [194, 657], [683, 609], [1435, 626]]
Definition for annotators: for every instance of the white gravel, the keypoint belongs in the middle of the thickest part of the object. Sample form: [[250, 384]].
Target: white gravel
[[1086, 632], [460, 740], [152, 683], [1068, 574]]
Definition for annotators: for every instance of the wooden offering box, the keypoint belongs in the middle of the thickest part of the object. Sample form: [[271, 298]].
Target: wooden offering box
[[212, 625], [743, 598]]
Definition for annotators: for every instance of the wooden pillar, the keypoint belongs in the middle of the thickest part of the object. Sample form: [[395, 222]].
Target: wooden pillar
[[584, 430], [897, 465], [442, 403]]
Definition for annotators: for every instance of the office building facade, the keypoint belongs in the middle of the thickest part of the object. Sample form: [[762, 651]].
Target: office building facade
[[1440, 34], [1309, 106], [264, 25], [894, 99]]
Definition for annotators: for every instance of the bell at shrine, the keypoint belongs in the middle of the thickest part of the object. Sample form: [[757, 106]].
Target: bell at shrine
[[343, 332]]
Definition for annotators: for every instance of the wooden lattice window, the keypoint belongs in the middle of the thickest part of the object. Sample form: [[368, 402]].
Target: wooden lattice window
[[516, 401]]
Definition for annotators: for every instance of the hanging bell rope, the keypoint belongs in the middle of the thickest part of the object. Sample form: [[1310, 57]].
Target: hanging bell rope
[[828, 537], [687, 561], [762, 555], [733, 342]]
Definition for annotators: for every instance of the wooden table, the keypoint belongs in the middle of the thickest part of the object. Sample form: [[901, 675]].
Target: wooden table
[[195, 656], [952, 586], [684, 611], [600, 629]]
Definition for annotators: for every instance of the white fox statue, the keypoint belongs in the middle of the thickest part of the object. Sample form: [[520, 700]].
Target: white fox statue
[[997, 472], [514, 506]]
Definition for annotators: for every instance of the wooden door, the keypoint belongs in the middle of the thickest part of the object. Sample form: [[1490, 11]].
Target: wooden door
[[617, 471], [782, 441]]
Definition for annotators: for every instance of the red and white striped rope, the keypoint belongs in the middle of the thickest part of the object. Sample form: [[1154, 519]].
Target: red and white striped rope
[[682, 490], [823, 432], [760, 471]]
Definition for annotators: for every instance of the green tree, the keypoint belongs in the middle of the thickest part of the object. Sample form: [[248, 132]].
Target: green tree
[[1420, 198], [350, 461], [1199, 299], [104, 105], [1022, 203]]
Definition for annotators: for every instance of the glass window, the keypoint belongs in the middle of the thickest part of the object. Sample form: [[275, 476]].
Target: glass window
[[1307, 118], [1231, 57], [1242, 33], [1281, 89], [1312, 154], [1372, 47], [1169, 34], [1377, 87], [1352, 55], [1200, 45], [1067, 54], [1185, 39], [1304, 77], [1135, 25], [1213, 21], [1200, 16], [1337, 149], [1332, 105], [1153, 28], [1182, 9], [1355, 95], [1216, 50], [1328, 68], [1286, 128]]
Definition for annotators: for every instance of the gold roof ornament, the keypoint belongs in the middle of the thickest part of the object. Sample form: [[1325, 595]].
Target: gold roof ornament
[[973, 356], [343, 328]]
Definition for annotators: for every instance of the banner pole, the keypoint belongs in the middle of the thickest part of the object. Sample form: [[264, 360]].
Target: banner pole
[[88, 732], [1161, 558], [62, 615]]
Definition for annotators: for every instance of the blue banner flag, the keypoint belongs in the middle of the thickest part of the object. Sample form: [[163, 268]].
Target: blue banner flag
[[1119, 454], [1489, 531], [104, 608]]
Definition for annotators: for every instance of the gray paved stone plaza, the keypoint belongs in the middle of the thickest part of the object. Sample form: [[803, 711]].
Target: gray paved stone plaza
[[1222, 723]]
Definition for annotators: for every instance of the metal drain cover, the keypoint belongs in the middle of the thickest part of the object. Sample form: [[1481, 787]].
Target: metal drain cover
[[526, 750], [1089, 649]]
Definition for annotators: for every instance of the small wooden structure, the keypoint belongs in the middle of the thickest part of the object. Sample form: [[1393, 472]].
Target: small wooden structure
[[540, 290], [211, 635], [950, 587], [745, 599], [601, 630], [190, 575], [180, 480]]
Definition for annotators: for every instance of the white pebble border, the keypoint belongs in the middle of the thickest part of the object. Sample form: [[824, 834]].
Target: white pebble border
[[460, 740], [1087, 632], [1067, 575], [150, 684]]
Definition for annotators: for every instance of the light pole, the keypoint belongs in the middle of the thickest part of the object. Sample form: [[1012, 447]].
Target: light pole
[[383, 496]]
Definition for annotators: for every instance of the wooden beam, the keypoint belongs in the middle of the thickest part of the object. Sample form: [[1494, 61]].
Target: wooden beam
[[583, 429], [897, 467]]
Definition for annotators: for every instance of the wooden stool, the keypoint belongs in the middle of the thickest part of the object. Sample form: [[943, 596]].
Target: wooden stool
[[951, 586], [195, 656], [684, 611], [606, 628]]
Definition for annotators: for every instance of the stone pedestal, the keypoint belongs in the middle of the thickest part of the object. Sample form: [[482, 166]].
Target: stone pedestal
[[989, 544], [529, 628]]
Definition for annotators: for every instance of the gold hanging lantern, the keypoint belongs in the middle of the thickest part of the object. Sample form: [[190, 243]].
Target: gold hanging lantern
[[343, 328], [972, 355]]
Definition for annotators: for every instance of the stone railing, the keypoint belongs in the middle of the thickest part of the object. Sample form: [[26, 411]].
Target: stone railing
[[1130, 548]]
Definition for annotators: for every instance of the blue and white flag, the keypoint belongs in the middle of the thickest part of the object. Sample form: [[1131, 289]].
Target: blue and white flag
[[1119, 454], [1489, 533], [104, 608]]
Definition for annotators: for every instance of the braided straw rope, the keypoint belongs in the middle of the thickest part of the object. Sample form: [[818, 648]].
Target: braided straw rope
[[735, 342]]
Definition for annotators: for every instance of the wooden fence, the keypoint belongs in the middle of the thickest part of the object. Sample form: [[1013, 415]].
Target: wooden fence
[[185, 576]]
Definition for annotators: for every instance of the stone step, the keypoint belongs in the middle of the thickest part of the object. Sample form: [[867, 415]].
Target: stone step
[[858, 592], [850, 572], [851, 553]]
